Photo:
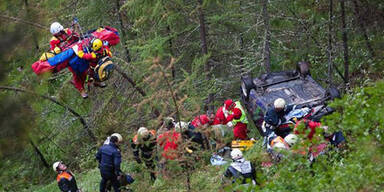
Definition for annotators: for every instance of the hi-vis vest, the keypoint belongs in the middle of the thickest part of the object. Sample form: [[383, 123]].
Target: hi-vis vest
[[243, 118], [64, 175]]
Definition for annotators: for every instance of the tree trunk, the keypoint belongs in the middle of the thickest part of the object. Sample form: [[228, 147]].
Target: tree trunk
[[267, 51], [171, 52], [204, 51], [330, 65], [125, 76], [363, 28], [38, 152], [345, 42], [82, 120], [123, 34]]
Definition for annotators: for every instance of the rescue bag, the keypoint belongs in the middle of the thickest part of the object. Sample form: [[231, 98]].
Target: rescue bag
[[103, 69]]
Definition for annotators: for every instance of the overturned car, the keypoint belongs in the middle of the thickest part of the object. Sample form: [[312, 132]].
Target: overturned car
[[296, 87]]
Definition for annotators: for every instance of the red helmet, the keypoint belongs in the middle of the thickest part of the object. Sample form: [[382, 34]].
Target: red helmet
[[228, 104]]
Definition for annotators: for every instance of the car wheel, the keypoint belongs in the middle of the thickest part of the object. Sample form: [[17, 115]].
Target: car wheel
[[246, 85], [303, 68], [333, 93]]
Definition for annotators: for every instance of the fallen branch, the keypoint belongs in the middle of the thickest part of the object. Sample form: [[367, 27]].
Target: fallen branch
[[23, 21], [82, 120], [122, 73]]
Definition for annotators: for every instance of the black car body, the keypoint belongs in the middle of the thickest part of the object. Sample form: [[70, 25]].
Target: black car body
[[296, 87]]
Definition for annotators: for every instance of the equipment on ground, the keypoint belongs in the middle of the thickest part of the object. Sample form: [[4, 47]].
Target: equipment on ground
[[242, 145]]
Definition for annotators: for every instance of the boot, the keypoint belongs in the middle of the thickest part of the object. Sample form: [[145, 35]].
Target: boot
[[83, 94], [99, 84]]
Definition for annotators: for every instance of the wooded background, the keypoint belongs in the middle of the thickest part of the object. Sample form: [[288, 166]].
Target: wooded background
[[174, 55]]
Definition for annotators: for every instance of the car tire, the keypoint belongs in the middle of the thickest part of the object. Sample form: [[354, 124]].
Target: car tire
[[333, 93], [303, 68], [246, 86]]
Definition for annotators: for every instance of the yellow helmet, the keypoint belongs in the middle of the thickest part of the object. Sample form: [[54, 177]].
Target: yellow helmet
[[96, 44]]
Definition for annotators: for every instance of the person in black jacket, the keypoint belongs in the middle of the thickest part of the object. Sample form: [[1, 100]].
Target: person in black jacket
[[65, 179], [109, 158], [276, 116], [145, 142]]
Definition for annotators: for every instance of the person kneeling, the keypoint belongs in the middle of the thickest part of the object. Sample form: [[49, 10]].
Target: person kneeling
[[240, 169]]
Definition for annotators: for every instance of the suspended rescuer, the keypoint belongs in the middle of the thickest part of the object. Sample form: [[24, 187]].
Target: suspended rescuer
[[240, 169], [65, 179], [62, 38], [275, 117], [109, 158], [237, 118], [91, 53], [144, 149]]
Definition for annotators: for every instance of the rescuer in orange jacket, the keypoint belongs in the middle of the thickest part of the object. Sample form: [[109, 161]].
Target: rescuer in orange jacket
[[65, 178]]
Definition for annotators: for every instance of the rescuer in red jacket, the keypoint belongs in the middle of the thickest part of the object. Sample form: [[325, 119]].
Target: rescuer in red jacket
[[237, 118], [220, 118], [62, 38]]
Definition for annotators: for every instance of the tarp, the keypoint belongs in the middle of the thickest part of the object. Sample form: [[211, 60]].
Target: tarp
[[40, 67], [107, 33], [61, 57]]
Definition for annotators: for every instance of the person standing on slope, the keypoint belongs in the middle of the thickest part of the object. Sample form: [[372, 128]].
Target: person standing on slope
[[109, 158], [237, 118]]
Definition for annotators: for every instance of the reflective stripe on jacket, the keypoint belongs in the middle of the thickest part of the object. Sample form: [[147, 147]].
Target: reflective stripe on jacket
[[243, 118]]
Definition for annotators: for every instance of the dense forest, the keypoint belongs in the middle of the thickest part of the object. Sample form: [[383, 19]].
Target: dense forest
[[181, 58]]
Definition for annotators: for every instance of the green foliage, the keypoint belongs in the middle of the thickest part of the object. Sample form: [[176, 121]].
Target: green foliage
[[168, 31]]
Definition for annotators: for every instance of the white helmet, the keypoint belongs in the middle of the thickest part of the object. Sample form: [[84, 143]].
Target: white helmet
[[55, 165], [143, 132], [56, 27], [183, 127], [279, 103], [236, 154], [279, 145], [291, 139], [119, 137]]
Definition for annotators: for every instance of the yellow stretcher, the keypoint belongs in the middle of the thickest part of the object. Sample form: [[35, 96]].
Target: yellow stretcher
[[243, 145]]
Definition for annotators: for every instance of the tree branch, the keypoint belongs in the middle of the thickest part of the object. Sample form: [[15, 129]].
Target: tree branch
[[23, 21], [82, 120]]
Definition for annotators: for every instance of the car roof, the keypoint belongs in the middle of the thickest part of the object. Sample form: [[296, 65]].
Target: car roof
[[292, 88]]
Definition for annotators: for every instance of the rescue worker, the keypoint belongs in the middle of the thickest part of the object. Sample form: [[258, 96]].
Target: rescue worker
[[65, 179], [62, 38], [109, 158], [91, 53], [220, 117], [145, 142], [241, 169], [275, 117], [167, 125], [202, 120], [237, 118]]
